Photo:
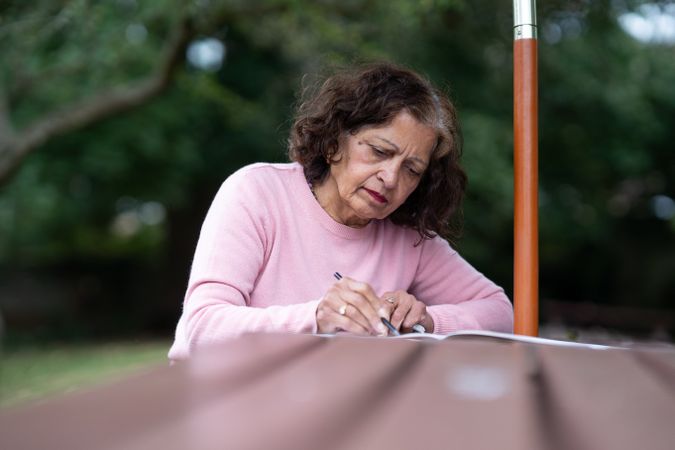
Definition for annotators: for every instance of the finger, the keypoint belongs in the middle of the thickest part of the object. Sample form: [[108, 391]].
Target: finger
[[415, 315], [346, 323], [340, 297], [386, 309], [324, 324], [330, 321], [388, 302], [365, 309], [390, 297], [366, 291], [402, 308], [353, 313]]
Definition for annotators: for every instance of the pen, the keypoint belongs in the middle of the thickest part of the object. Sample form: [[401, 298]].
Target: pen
[[388, 324]]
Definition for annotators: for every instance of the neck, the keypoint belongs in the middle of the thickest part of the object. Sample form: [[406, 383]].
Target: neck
[[329, 199]]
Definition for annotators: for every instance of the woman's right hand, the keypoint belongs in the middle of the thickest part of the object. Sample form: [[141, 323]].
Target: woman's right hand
[[352, 306]]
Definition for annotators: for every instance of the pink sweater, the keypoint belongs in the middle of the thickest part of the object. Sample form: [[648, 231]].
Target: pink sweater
[[267, 253]]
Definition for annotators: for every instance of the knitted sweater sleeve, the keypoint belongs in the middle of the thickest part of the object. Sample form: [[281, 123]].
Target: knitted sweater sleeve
[[458, 297], [229, 257]]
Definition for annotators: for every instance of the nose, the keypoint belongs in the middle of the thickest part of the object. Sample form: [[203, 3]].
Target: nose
[[388, 174]]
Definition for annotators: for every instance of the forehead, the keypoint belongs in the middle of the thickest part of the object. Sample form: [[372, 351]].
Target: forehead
[[406, 134]]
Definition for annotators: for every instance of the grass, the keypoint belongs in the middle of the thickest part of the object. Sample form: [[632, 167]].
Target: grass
[[31, 373]]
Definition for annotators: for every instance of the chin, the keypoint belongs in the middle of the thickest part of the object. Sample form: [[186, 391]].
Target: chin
[[371, 213], [379, 216]]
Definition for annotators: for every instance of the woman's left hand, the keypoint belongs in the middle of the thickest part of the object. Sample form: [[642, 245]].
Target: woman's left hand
[[407, 311]]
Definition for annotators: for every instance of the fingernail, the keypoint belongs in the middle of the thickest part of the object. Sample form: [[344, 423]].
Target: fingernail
[[383, 313], [382, 329]]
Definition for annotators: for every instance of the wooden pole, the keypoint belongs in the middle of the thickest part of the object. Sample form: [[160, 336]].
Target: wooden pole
[[525, 164]]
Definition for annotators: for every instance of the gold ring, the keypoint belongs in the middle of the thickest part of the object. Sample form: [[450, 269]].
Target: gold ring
[[343, 310], [391, 300]]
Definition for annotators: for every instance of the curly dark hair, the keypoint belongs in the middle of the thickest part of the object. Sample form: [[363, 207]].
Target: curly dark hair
[[372, 95]]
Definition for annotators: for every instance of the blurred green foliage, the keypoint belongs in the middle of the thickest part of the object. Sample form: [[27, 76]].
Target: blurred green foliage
[[114, 209]]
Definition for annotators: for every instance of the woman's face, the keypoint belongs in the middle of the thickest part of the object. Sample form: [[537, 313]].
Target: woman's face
[[377, 169]]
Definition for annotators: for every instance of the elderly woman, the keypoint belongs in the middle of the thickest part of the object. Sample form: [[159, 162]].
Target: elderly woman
[[370, 194]]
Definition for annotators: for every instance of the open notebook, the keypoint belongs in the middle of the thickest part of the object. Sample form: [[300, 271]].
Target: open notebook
[[500, 336]]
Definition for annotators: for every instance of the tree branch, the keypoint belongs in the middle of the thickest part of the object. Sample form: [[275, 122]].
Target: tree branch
[[93, 109], [6, 128], [16, 145], [25, 83]]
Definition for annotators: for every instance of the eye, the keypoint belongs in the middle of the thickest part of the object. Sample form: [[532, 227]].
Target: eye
[[413, 171], [378, 151]]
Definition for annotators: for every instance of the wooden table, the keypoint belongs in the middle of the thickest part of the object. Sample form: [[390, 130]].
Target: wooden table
[[310, 392]]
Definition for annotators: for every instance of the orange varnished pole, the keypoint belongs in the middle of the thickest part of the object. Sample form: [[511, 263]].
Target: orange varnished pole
[[525, 162]]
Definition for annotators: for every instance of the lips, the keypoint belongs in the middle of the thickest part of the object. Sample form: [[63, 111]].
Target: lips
[[376, 196]]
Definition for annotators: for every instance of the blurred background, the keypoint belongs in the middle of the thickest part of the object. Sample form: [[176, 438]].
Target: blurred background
[[119, 120]]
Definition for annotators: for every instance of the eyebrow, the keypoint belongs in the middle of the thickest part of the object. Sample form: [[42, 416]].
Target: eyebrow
[[414, 158]]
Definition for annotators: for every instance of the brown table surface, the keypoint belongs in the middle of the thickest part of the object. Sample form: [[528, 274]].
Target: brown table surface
[[266, 391]]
